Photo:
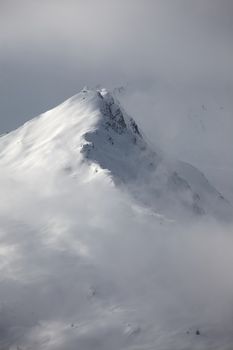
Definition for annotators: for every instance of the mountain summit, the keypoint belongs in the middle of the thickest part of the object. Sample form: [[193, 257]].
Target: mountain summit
[[105, 242], [91, 128]]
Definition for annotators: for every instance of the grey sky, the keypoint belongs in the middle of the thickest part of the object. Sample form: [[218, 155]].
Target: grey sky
[[174, 56]]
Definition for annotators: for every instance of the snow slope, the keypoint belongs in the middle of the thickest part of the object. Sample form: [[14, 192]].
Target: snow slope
[[92, 126], [97, 249]]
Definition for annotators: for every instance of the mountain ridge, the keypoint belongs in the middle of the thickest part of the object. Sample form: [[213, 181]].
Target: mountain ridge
[[92, 128]]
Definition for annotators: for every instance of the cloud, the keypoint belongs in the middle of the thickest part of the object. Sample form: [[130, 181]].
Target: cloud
[[119, 41], [180, 39], [78, 268]]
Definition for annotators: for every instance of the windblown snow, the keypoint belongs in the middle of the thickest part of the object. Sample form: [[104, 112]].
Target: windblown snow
[[92, 127], [105, 242]]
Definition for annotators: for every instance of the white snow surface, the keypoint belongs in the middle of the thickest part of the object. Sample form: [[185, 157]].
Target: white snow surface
[[92, 126], [105, 242]]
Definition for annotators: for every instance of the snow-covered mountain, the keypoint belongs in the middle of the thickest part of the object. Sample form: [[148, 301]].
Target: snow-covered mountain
[[92, 127], [105, 242]]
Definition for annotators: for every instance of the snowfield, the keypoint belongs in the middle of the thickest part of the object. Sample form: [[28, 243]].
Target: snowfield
[[105, 242]]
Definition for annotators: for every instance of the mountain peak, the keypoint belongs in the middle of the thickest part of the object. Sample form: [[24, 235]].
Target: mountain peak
[[84, 127], [92, 128], [111, 113]]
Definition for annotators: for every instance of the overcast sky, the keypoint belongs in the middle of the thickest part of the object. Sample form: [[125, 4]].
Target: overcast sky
[[174, 56]]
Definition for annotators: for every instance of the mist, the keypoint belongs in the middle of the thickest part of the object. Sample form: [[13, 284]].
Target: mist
[[72, 274]]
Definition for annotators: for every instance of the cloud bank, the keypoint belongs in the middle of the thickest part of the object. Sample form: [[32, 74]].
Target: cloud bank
[[77, 268]]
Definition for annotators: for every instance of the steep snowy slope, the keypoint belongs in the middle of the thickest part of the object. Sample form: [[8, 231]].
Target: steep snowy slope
[[89, 256], [92, 127]]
